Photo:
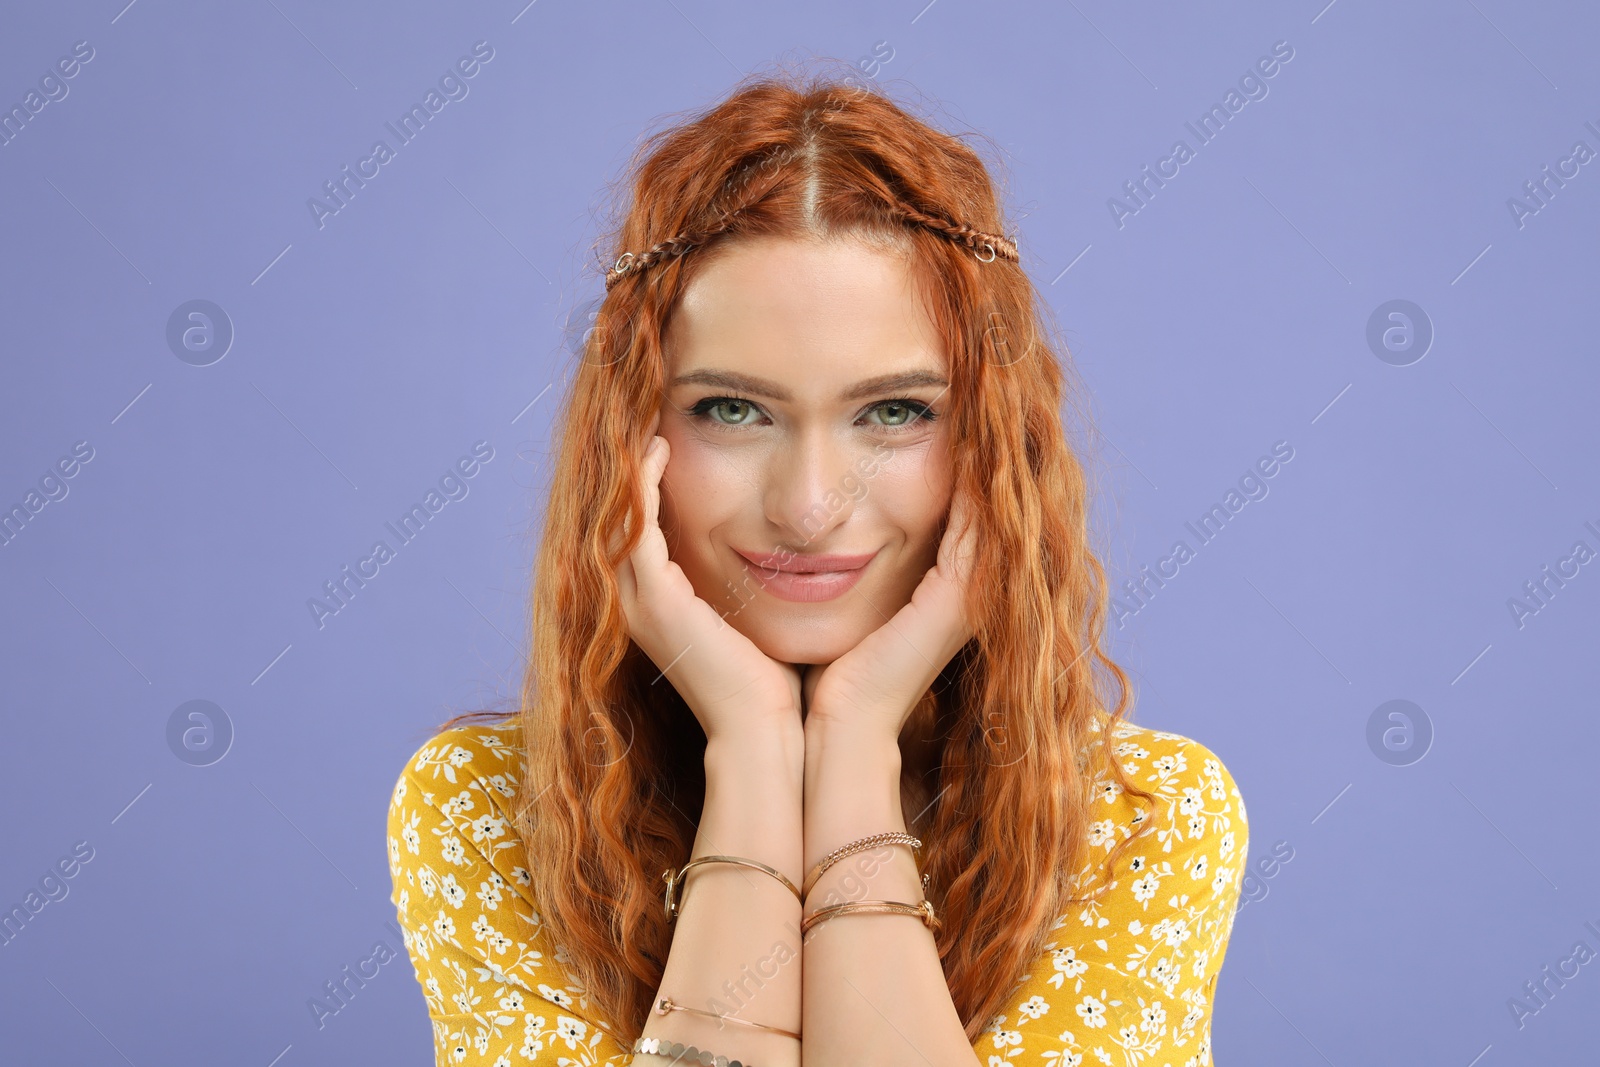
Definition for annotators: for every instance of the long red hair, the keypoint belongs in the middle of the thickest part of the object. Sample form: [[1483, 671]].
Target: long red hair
[[615, 779]]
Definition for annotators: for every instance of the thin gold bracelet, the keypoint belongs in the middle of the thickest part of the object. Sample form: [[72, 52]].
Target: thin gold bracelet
[[860, 845], [673, 880], [666, 1004], [922, 910]]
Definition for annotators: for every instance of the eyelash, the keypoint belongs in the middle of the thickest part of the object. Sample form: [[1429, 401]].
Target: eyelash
[[923, 414]]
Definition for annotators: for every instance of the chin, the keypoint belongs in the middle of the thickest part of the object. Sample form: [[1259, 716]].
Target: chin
[[798, 644]]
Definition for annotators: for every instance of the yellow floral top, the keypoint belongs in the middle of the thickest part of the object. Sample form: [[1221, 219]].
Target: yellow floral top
[[1128, 981]]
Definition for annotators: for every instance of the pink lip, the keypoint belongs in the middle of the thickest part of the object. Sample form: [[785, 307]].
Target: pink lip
[[807, 579], [798, 563]]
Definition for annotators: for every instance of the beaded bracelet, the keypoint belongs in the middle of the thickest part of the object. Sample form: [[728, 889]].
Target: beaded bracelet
[[681, 1053]]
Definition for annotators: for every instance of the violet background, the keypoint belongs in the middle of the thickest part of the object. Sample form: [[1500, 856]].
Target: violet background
[[435, 310]]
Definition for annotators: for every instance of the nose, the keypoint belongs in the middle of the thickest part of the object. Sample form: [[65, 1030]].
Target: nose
[[806, 495]]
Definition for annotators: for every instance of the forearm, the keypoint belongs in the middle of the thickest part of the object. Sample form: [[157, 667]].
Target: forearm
[[736, 944], [874, 989]]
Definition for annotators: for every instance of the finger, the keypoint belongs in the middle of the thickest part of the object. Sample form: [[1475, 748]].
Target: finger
[[627, 590], [650, 555], [959, 545], [620, 536]]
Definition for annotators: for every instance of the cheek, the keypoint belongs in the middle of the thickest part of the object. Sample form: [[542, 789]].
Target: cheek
[[701, 487], [911, 491]]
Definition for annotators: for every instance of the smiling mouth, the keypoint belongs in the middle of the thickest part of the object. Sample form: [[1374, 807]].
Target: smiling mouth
[[797, 564], [806, 579]]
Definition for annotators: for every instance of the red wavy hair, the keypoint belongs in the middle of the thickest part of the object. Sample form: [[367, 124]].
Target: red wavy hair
[[615, 775]]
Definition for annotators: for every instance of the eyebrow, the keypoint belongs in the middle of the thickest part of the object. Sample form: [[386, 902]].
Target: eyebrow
[[762, 387]]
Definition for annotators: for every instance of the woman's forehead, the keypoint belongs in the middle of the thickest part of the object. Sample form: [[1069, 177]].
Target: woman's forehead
[[781, 308]]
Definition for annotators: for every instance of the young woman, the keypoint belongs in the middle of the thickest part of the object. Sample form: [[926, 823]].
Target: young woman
[[816, 609]]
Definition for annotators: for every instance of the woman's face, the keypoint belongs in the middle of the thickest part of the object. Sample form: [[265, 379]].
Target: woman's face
[[805, 394]]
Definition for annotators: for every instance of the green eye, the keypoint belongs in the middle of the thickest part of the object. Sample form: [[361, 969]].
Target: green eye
[[911, 413], [916, 415], [904, 414], [715, 403]]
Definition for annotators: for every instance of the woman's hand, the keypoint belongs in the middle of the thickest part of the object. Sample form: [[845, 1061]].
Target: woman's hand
[[730, 684], [874, 686]]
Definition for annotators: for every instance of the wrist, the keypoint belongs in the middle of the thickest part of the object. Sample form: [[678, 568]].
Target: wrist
[[841, 739], [758, 750]]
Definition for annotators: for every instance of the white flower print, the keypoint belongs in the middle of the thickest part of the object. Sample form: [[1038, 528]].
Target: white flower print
[[458, 804], [1121, 964], [487, 827], [555, 996], [1191, 801], [1006, 1038], [408, 833], [1145, 888], [451, 849], [570, 1030], [1033, 1007]]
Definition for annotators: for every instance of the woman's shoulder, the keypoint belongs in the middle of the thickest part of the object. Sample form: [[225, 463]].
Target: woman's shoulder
[[467, 773], [1196, 796], [469, 753]]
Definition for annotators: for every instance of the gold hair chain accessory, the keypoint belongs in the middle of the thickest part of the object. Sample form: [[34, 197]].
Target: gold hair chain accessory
[[666, 1004], [861, 845], [674, 879], [985, 247]]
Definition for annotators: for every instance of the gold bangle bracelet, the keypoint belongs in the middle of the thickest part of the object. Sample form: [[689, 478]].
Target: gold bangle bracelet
[[922, 910], [861, 845], [674, 879], [666, 1004]]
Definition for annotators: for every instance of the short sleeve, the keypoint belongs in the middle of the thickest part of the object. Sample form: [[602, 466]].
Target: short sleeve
[[491, 978], [1132, 977]]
